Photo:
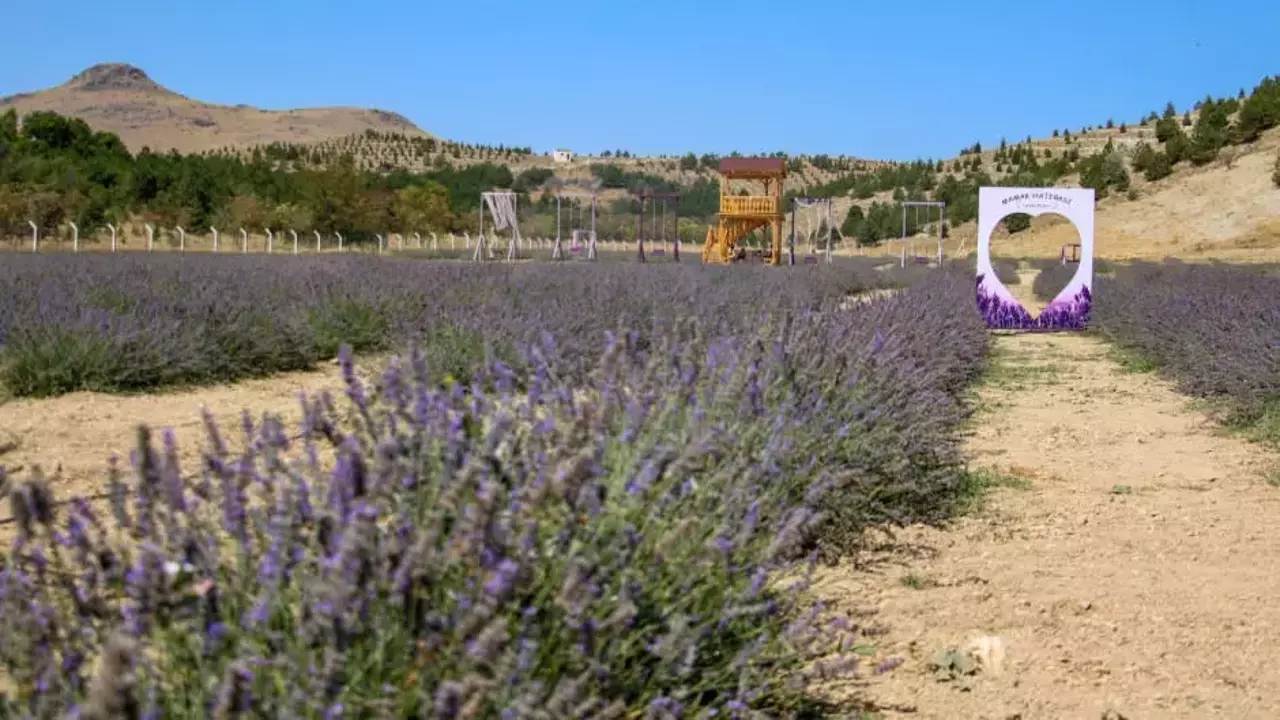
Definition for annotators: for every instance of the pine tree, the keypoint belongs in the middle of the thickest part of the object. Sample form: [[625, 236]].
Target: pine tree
[[1158, 167]]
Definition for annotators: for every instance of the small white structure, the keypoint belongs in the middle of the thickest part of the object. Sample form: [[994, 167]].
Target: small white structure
[[562, 156]]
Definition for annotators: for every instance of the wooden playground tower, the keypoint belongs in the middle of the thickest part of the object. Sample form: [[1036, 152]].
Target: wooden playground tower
[[740, 215]]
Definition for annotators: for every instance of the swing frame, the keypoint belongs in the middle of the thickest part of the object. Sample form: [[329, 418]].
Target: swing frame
[[927, 204], [809, 202], [557, 252], [664, 197]]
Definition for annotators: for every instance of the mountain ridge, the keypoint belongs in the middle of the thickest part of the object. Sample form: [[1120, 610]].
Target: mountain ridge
[[122, 98]]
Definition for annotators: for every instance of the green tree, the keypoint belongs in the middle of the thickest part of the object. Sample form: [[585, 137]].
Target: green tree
[[424, 207], [1211, 132], [1157, 167], [1016, 223], [291, 216], [1142, 156], [1260, 111], [851, 227]]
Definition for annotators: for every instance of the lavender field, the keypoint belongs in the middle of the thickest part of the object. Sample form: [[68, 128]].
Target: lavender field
[[589, 492], [138, 322], [1213, 330]]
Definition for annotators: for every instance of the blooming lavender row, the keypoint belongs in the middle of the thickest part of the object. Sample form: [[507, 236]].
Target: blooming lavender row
[[1067, 314], [1213, 330], [134, 321], [629, 541]]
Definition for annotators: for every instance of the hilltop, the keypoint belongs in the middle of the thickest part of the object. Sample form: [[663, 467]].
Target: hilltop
[[123, 99]]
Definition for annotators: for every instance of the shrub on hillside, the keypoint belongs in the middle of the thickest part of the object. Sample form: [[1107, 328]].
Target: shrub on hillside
[[1261, 110], [1142, 156], [1275, 174], [1158, 167], [619, 545]]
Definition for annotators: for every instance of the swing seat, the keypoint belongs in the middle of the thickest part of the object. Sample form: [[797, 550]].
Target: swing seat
[[575, 250], [810, 259], [659, 251]]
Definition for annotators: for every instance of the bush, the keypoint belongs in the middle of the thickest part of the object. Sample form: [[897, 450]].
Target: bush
[[1016, 222], [1143, 153], [1210, 329], [1051, 280], [627, 542], [1275, 174], [1261, 111], [1158, 167]]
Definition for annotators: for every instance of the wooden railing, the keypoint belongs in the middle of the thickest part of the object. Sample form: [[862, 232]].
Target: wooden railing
[[748, 205]]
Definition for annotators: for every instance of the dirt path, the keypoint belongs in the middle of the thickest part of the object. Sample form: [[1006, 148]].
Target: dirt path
[[1125, 558]]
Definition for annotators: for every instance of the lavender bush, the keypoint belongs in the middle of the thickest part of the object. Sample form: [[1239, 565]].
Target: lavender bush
[[1214, 330], [1006, 268], [631, 540], [1051, 279], [132, 322]]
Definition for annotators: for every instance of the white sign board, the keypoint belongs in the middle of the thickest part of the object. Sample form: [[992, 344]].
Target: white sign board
[[1069, 310]]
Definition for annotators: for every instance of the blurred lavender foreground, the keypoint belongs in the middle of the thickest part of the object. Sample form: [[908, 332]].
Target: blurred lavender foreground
[[621, 537]]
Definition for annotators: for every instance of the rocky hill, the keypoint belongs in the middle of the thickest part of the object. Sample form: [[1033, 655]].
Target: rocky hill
[[122, 99]]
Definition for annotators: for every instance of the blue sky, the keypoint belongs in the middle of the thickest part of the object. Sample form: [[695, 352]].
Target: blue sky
[[893, 80]]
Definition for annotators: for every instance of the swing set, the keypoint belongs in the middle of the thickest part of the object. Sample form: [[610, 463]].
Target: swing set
[[928, 217], [579, 237], [658, 223], [812, 209]]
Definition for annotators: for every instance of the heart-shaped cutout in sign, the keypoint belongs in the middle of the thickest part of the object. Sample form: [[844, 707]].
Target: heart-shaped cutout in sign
[[1069, 310]]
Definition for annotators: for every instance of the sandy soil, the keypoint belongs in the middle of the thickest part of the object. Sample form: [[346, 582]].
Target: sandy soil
[[82, 431], [1121, 561]]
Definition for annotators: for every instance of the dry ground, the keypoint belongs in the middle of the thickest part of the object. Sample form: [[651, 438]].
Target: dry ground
[[1122, 561], [80, 432]]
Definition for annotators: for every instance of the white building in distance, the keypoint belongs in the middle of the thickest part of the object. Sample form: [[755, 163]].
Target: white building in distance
[[562, 156]]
